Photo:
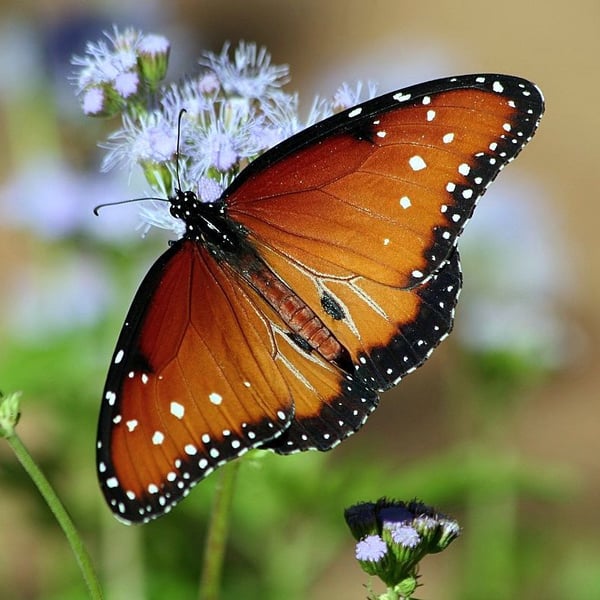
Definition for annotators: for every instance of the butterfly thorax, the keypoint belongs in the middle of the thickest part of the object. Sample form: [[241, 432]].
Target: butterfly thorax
[[208, 224]]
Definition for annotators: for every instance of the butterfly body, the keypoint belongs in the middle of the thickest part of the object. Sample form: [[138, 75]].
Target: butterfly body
[[208, 225], [325, 273]]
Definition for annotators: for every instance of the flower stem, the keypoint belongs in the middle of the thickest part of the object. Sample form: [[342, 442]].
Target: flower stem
[[59, 511], [216, 540]]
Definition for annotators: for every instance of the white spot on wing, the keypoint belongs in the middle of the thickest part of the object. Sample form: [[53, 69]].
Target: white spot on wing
[[119, 357], [400, 97], [405, 202], [177, 410], [417, 163], [158, 438], [447, 138], [355, 112], [215, 398]]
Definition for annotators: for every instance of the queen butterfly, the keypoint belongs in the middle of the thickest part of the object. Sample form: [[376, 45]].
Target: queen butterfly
[[326, 272]]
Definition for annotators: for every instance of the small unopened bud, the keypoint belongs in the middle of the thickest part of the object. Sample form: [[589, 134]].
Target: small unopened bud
[[9, 414], [153, 58]]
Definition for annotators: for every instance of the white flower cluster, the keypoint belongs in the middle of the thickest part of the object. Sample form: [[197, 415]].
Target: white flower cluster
[[235, 109]]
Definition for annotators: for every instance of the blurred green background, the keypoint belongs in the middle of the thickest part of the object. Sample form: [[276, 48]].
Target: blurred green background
[[499, 429]]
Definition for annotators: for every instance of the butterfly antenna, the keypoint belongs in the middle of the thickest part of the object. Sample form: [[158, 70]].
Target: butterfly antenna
[[177, 153], [99, 206]]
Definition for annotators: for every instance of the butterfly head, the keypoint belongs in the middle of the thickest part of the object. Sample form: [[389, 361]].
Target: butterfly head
[[205, 222]]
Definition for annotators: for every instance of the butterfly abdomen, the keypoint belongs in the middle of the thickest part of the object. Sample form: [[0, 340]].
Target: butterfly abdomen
[[296, 314]]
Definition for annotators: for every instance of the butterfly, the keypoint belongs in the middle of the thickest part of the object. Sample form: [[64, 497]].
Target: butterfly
[[324, 274]]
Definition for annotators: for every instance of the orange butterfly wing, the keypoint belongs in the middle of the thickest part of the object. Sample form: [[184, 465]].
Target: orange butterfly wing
[[192, 384], [361, 217]]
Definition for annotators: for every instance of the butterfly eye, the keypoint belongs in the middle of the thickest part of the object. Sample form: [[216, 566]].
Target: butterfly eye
[[322, 276]]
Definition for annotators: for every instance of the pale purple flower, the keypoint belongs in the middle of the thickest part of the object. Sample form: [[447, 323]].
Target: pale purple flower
[[235, 110], [250, 74], [403, 534], [126, 84], [371, 548], [223, 137], [93, 101], [346, 96], [209, 190], [151, 139], [425, 523], [188, 96], [208, 83], [102, 64], [153, 44], [320, 109]]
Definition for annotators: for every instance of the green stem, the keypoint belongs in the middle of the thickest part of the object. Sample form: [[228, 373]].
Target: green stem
[[216, 540], [59, 511]]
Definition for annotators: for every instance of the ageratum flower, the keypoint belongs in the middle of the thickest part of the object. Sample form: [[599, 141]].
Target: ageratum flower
[[235, 109], [394, 536], [250, 74]]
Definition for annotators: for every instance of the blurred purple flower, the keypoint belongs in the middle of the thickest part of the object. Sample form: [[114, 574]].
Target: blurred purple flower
[[50, 198], [58, 294], [512, 252]]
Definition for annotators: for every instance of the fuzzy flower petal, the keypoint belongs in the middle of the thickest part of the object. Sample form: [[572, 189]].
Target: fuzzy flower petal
[[93, 101], [371, 548], [404, 535], [250, 74], [152, 139], [126, 84], [346, 96]]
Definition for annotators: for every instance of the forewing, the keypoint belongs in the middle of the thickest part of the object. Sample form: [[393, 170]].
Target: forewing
[[383, 190]]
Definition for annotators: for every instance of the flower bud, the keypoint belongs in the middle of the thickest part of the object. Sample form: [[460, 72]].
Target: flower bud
[[9, 413], [153, 58]]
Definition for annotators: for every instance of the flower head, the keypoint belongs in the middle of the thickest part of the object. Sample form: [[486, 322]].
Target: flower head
[[235, 110], [371, 548], [346, 96], [103, 63], [250, 74], [394, 536]]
